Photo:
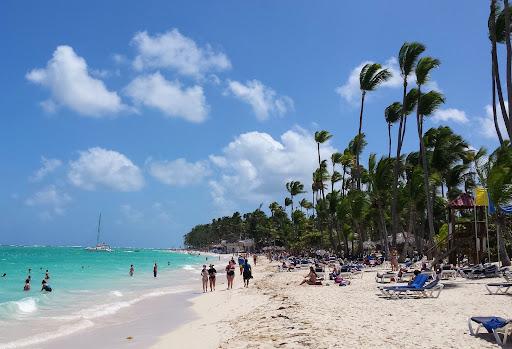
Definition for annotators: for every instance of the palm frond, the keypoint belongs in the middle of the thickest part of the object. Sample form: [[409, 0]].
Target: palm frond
[[423, 68], [411, 99], [392, 112], [430, 102], [322, 136], [408, 56]]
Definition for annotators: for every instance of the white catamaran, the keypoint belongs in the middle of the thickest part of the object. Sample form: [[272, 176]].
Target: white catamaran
[[100, 247]]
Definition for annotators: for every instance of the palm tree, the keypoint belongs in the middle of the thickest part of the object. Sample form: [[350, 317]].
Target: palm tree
[[370, 77], [336, 158], [294, 188], [273, 207], [499, 182], [288, 202], [335, 177], [407, 58], [347, 161], [321, 137], [392, 114], [427, 104]]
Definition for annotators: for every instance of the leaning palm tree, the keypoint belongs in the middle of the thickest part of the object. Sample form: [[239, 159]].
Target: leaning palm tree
[[321, 137], [392, 114], [335, 177], [407, 58], [336, 159], [370, 77], [427, 104], [273, 207]]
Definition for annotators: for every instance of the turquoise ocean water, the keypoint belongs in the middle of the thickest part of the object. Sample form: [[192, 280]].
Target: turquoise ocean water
[[86, 286]]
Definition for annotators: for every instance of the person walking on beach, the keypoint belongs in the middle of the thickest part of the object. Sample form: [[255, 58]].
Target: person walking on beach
[[241, 262], [212, 273], [155, 270], [247, 274], [230, 273], [254, 258], [132, 270], [204, 277]]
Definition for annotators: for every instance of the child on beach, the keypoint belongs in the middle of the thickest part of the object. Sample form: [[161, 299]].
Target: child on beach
[[211, 276], [204, 277]]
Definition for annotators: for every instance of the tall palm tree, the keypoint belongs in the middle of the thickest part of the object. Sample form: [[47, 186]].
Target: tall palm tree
[[347, 161], [392, 114], [336, 159], [407, 58], [321, 137], [288, 202], [335, 177], [427, 104], [273, 207], [370, 77]]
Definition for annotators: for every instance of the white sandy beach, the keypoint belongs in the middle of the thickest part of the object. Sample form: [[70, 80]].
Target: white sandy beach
[[277, 313]]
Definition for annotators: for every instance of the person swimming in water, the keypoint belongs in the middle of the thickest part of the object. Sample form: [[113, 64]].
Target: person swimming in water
[[132, 270], [27, 284], [4, 275], [47, 275]]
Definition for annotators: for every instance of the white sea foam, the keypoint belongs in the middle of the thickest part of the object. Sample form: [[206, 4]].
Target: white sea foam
[[116, 293], [18, 308], [27, 305], [188, 267]]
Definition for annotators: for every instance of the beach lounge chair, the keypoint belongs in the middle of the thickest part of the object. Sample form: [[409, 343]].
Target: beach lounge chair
[[498, 287], [386, 277], [448, 274], [432, 290], [494, 325], [418, 282], [507, 275]]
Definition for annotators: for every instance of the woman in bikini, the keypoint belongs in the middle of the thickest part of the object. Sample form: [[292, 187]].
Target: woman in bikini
[[311, 278], [211, 275], [204, 277], [230, 273]]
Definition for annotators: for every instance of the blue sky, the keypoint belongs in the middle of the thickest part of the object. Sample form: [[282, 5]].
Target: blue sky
[[166, 114]]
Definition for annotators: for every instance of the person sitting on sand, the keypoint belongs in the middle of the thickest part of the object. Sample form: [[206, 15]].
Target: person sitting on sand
[[45, 286], [311, 278], [247, 273], [204, 277], [27, 285], [132, 270], [212, 273]]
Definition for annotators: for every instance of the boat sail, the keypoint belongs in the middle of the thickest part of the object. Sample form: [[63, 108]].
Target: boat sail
[[100, 247]]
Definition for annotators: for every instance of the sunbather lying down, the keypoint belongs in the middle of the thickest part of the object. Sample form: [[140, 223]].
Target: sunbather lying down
[[311, 278]]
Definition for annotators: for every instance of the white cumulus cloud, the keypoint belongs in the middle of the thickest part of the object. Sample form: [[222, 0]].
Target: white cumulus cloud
[[169, 97], [179, 172], [107, 168], [255, 167], [48, 166], [450, 115], [486, 123], [51, 199], [175, 51], [263, 100], [71, 85]]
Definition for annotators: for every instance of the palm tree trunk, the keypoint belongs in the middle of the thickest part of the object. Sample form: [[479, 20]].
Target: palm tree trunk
[[426, 183], [319, 164], [509, 62], [494, 111], [394, 200], [505, 260], [389, 140], [363, 93], [343, 182], [384, 229]]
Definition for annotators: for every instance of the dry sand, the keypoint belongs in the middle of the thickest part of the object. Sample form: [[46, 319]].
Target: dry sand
[[277, 313]]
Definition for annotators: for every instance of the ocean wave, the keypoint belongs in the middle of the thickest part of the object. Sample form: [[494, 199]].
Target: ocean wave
[[188, 267], [46, 336], [22, 307]]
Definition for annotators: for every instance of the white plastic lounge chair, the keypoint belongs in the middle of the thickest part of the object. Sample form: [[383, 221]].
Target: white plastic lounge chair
[[448, 274], [505, 330], [498, 287]]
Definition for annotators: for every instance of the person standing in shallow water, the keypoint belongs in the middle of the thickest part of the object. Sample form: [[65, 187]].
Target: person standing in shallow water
[[132, 270], [155, 270]]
